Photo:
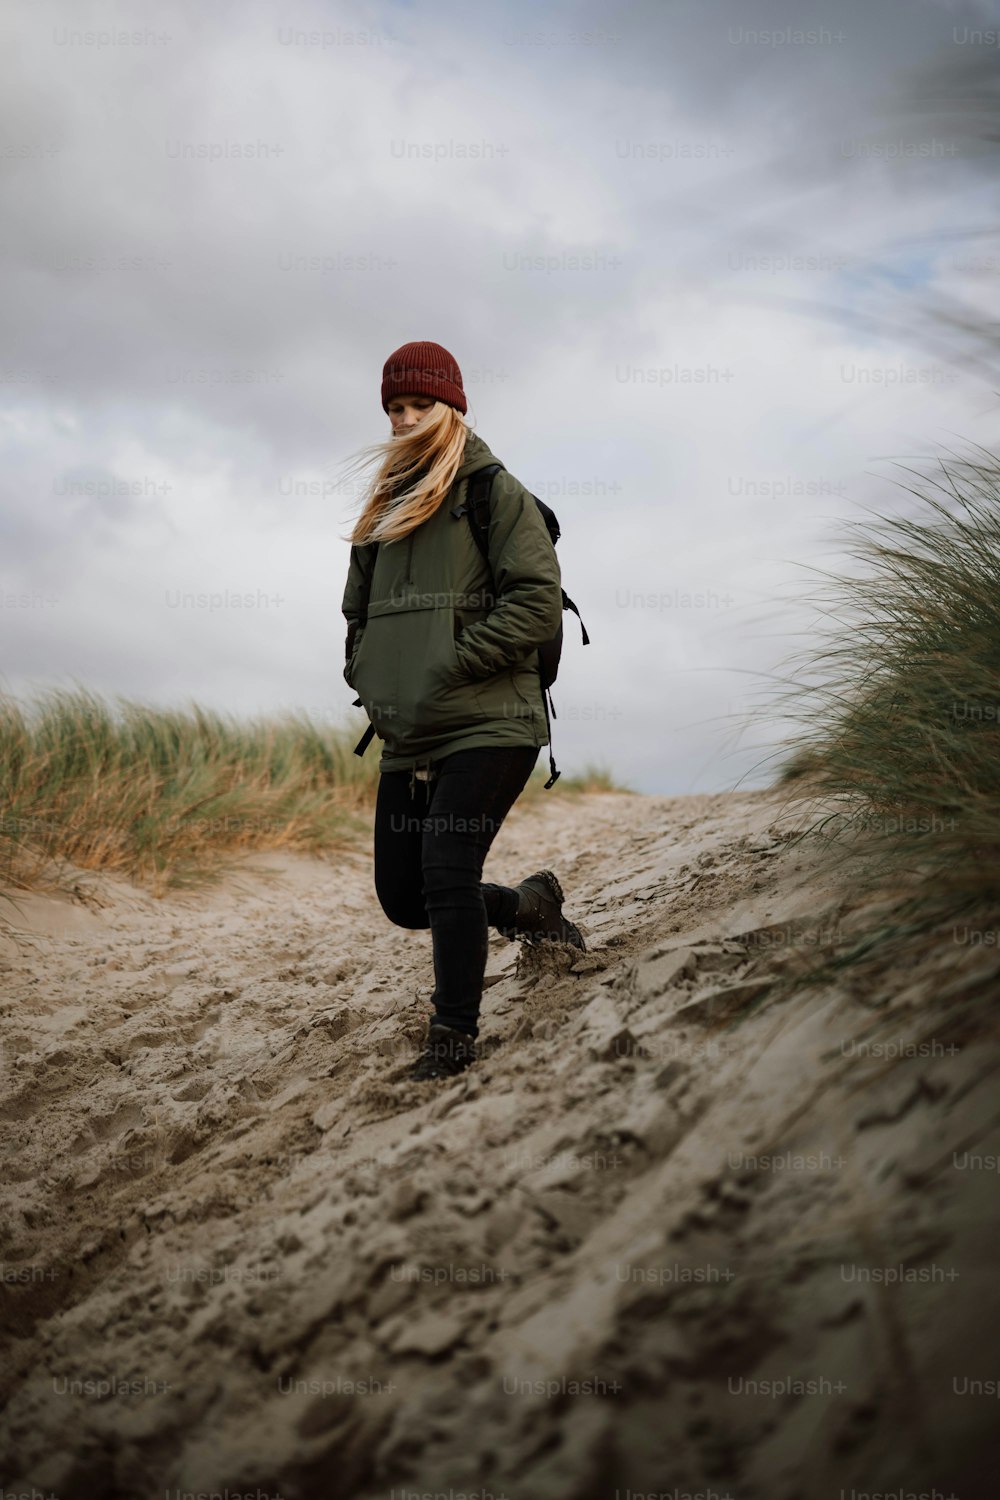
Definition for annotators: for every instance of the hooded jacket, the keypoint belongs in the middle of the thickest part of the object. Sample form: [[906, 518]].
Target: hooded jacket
[[441, 665]]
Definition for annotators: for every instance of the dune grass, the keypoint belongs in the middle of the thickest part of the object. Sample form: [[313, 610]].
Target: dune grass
[[899, 710], [161, 795], [157, 794]]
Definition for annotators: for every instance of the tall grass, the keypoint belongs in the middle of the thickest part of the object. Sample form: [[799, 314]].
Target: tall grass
[[899, 705], [160, 795]]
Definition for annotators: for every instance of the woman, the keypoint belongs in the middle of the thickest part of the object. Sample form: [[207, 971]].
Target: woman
[[447, 672]]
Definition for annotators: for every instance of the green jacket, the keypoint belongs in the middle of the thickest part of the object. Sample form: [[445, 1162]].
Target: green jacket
[[439, 667]]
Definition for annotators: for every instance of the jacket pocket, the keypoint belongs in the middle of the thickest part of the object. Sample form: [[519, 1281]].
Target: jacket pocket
[[501, 697], [409, 679], [435, 693]]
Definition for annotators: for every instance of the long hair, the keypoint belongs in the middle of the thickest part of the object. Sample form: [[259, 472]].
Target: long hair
[[417, 470]]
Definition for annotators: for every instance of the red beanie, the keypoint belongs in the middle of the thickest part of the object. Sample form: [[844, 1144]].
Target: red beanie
[[423, 370]]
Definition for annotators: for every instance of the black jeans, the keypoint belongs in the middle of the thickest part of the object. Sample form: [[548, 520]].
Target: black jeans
[[431, 841]]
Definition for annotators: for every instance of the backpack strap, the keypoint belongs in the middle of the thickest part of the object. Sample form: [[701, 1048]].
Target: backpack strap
[[477, 506], [368, 735], [554, 775], [568, 604]]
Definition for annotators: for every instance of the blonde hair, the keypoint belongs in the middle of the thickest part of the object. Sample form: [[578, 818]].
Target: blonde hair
[[417, 470]]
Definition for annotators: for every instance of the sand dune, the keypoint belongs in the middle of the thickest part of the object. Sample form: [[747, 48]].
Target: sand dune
[[663, 1238]]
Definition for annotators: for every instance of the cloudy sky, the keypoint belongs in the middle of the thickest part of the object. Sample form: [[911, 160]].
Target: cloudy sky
[[696, 260]]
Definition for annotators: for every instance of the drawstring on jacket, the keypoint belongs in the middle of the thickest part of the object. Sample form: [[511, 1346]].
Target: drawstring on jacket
[[427, 774]]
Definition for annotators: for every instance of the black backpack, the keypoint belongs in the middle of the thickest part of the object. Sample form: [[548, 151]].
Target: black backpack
[[478, 510]]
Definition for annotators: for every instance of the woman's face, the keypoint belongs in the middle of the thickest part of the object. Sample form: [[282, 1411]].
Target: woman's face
[[406, 411]]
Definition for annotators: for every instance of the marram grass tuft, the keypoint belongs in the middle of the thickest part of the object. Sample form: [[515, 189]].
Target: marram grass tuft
[[899, 708]]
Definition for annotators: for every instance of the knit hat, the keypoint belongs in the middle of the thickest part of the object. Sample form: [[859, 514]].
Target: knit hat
[[423, 370]]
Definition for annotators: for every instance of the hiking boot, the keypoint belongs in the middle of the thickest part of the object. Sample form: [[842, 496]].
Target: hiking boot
[[447, 1053], [539, 913]]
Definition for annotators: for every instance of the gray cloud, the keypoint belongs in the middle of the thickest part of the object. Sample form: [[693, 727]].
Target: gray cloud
[[217, 231]]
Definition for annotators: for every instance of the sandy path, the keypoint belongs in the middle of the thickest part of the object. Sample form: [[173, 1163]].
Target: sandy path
[[240, 1250]]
